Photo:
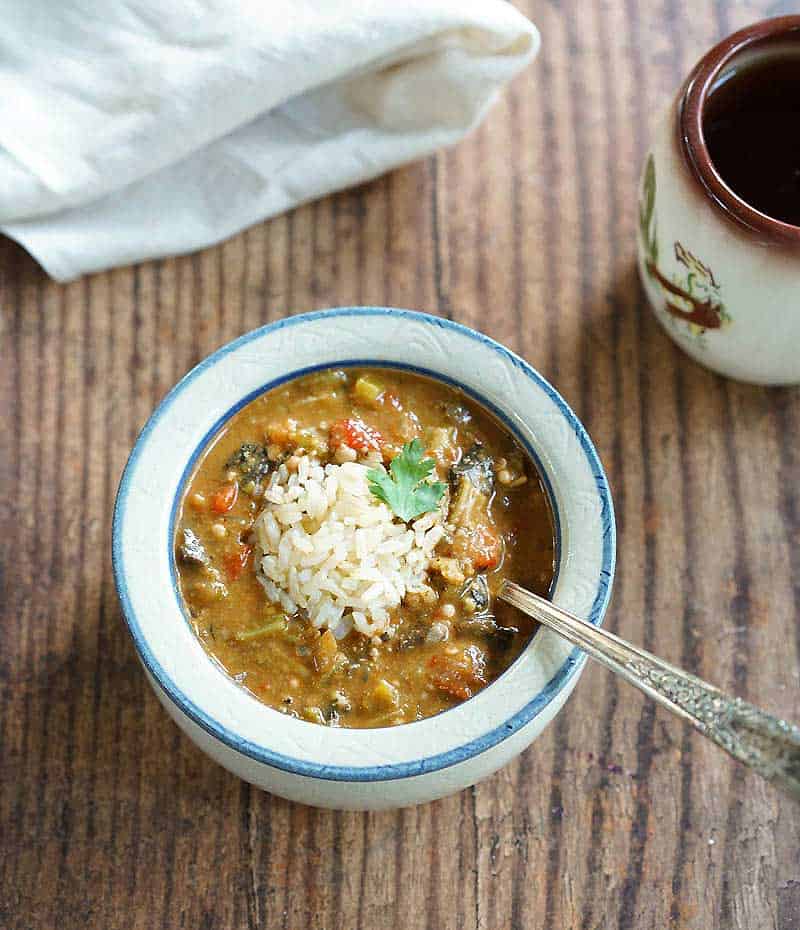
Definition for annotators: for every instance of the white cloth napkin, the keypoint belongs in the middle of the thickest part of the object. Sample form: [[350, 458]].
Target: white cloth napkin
[[131, 129]]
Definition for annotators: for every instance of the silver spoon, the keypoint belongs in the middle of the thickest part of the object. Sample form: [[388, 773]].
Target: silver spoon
[[766, 744]]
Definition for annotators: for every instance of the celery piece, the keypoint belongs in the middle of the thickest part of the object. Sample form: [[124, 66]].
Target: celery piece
[[367, 390], [275, 626]]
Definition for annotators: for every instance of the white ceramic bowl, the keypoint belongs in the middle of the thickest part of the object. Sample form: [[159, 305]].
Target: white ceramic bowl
[[342, 768]]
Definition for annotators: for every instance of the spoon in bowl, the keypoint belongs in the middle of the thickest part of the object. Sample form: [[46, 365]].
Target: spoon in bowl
[[766, 744]]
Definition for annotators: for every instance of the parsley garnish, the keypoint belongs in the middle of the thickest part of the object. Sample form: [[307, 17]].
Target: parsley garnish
[[405, 489]]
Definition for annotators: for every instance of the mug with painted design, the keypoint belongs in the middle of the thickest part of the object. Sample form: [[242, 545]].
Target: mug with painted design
[[719, 208]]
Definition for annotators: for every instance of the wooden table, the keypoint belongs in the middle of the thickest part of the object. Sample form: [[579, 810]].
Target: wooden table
[[619, 816]]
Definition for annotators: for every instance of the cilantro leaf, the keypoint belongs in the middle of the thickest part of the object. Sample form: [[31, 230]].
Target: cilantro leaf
[[405, 489]]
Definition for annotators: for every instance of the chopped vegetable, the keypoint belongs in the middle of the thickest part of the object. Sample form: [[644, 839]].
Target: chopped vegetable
[[475, 542], [282, 434], [486, 548], [405, 489], [325, 652], [225, 497], [250, 460], [235, 562], [476, 467], [191, 550], [311, 441], [475, 595], [278, 625], [386, 694], [460, 677], [478, 546], [367, 390], [356, 434], [468, 505]]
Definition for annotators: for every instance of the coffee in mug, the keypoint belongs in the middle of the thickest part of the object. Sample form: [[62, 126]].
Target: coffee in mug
[[719, 208]]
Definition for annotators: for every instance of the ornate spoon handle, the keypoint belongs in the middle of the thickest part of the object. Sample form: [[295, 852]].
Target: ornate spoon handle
[[766, 744]]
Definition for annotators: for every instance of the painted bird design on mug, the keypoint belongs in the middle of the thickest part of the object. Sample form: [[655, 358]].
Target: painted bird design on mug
[[693, 298]]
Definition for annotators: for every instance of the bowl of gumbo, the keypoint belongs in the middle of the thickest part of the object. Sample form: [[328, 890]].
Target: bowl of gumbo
[[340, 542]]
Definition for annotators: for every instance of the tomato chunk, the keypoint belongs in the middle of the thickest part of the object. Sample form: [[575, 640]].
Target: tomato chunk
[[225, 498], [486, 549], [356, 434], [235, 562], [460, 678]]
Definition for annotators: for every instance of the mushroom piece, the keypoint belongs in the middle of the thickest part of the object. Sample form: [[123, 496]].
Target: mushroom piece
[[472, 481], [475, 595], [251, 461], [475, 541], [477, 467], [191, 550]]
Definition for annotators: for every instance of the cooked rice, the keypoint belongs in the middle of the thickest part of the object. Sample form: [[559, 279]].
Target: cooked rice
[[330, 547]]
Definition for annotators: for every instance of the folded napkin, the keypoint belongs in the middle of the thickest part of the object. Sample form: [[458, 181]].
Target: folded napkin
[[133, 129]]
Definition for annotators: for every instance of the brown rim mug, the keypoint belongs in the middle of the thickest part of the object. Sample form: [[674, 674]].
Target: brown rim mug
[[723, 278]]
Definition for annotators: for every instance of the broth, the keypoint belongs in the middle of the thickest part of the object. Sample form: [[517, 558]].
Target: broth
[[449, 637]]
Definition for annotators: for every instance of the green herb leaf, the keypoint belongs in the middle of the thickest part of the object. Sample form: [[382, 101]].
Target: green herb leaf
[[405, 489], [648, 201]]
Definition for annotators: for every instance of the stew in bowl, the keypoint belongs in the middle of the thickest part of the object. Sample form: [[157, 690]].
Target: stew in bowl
[[341, 541]]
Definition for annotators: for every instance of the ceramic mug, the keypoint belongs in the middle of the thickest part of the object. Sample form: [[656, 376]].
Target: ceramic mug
[[723, 278]]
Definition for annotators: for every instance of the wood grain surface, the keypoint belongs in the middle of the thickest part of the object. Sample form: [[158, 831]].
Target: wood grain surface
[[618, 816]]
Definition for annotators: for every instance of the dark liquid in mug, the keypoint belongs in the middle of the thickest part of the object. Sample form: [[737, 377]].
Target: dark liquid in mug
[[752, 129]]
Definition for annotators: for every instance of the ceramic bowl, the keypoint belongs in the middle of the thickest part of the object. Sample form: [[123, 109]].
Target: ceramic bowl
[[352, 768]]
